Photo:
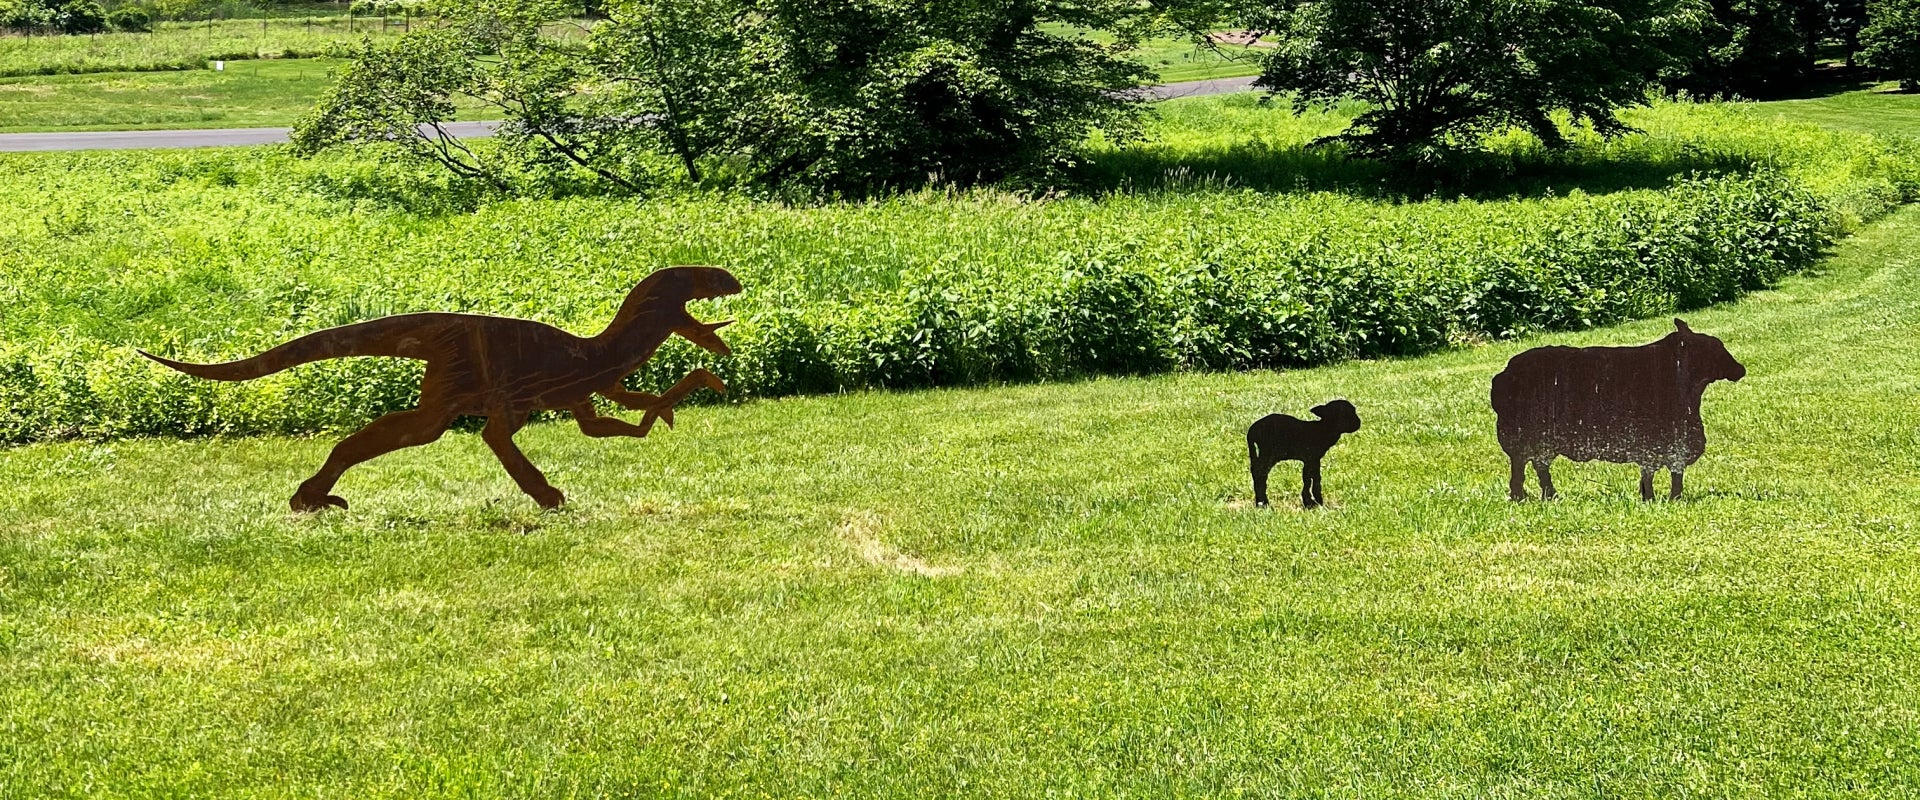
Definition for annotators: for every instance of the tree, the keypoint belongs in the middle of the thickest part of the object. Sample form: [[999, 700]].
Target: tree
[[79, 16], [1747, 48], [1437, 75], [1891, 40], [846, 96], [131, 19], [25, 14], [1845, 18]]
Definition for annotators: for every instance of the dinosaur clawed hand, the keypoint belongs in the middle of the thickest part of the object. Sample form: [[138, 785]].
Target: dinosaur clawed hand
[[661, 411], [661, 408]]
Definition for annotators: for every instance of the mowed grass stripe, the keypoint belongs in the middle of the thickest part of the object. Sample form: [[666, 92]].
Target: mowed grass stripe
[[707, 617]]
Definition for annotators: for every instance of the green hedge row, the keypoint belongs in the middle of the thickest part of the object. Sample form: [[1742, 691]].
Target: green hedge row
[[1415, 282], [1603, 261]]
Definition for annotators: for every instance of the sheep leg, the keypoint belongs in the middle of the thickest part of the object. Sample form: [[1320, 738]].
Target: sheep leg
[[1646, 482], [1517, 480], [1676, 483], [1310, 483], [1541, 468], [1261, 468]]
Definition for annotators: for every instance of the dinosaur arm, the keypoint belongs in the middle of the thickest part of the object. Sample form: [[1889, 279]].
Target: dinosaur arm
[[660, 407], [592, 424], [642, 401], [637, 401]]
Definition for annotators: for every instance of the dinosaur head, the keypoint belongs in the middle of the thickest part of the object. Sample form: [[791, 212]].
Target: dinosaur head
[[665, 293]]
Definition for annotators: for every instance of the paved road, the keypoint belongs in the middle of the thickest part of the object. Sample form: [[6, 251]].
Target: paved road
[[1170, 91], [228, 137]]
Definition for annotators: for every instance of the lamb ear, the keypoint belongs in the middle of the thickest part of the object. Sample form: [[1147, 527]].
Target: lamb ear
[[1681, 325]]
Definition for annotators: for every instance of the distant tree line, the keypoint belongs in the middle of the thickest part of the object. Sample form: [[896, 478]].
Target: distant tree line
[[72, 16], [853, 96]]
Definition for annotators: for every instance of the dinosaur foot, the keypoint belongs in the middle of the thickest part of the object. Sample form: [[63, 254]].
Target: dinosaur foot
[[308, 504], [549, 499]]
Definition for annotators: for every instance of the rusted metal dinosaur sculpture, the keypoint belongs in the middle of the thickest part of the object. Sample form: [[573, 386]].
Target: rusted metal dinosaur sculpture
[[504, 369]]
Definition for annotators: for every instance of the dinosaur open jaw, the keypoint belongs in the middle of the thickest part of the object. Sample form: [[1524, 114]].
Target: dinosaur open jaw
[[704, 334]]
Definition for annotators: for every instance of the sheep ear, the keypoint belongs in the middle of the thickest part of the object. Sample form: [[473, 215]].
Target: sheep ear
[[1681, 325]]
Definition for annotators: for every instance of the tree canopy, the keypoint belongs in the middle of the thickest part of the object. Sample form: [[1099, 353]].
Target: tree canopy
[[1891, 40], [1436, 75], [840, 97]]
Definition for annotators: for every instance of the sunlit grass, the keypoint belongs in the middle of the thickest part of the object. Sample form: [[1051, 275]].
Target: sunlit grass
[[1878, 109], [709, 618], [245, 94], [182, 46]]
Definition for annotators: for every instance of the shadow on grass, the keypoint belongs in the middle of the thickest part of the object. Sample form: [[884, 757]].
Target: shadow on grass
[[1301, 168]]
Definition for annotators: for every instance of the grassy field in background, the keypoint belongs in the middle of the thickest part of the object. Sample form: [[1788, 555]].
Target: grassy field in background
[[1177, 60], [246, 94], [182, 46], [1020, 591], [1878, 109], [266, 93]]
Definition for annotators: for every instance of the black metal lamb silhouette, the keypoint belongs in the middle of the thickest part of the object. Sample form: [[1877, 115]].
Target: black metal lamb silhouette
[[1277, 437], [1628, 405], [504, 369]]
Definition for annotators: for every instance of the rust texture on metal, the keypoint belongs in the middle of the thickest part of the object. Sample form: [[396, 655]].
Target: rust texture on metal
[[504, 369], [1627, 405], [1278, 437]]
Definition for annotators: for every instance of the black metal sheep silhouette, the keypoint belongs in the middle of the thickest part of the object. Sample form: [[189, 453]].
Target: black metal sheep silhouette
[[1628, 405], [1278, 437]]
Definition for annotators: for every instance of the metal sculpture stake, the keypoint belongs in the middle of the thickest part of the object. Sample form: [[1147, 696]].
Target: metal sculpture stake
[[1627, 405], [504, 369], [1277, 437]]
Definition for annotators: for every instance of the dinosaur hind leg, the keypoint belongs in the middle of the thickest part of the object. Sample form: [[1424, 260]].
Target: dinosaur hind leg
[[499, 435], [384, 435]]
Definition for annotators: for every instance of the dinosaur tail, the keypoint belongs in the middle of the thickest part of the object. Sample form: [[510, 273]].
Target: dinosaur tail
[[399, 336]]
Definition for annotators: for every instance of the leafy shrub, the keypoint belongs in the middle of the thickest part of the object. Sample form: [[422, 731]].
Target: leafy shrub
[[80, 16], [131, 19]]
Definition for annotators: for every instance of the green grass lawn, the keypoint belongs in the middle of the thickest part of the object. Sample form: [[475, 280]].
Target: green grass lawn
[[1880, 109], [185, 45], [1040, 590], [263, 93], [269, 93], [1177, 60]]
